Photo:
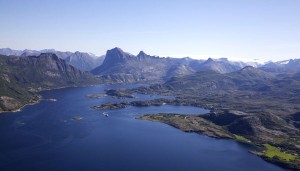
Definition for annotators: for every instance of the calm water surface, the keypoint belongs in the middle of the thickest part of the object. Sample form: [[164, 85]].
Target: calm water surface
[[45, 137]]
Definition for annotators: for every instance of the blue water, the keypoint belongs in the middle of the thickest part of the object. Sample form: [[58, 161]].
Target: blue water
[[44, 137]]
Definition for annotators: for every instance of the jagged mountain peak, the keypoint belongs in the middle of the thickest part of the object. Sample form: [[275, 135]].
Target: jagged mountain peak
[[250, 72], [251, 69], [209, 60], [82, 54], [248, 68], [116, 55], [77, 52], [116, 50], [141, 54], [294, 61]]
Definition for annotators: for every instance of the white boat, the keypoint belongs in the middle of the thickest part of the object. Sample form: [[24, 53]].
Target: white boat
[[105, 114]]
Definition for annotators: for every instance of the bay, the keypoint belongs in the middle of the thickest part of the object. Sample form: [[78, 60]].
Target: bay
[[46, 137]]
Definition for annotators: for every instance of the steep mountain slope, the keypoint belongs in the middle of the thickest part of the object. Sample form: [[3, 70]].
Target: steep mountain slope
[[12, 96], [81, 60], [126, 67], [35, 73]]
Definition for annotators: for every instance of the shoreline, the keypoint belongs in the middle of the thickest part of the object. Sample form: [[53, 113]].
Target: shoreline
[[220, 116], [40, 98], [27, 104], [160, 118]]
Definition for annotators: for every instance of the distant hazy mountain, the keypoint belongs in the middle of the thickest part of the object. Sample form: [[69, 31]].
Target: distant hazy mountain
[[46, 71], [292, 65], [8, 51], [81, 60], [221, 66], [243, 79]]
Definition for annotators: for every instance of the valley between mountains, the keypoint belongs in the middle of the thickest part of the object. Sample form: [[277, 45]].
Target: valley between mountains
[[254, 103]]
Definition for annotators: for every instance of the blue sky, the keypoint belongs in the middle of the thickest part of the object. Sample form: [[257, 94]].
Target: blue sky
[[237, 29]]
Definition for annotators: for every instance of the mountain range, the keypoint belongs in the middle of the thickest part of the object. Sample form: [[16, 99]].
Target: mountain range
[[81, 60], [122, 67], [291, 65], [118, 66]]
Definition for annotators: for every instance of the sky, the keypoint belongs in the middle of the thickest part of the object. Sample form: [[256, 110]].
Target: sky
[[237, 29]]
